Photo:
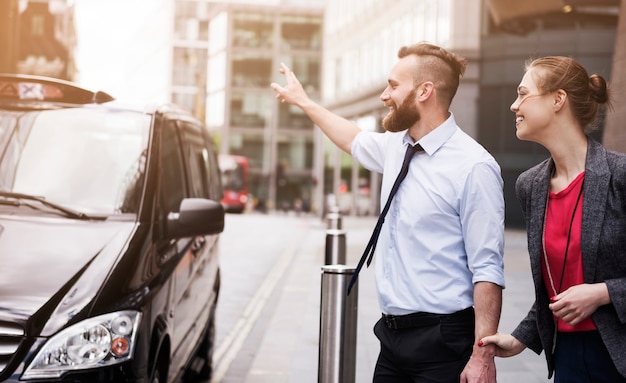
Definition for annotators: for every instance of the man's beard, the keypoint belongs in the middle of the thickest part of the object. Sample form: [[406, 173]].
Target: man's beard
[[404, 116]]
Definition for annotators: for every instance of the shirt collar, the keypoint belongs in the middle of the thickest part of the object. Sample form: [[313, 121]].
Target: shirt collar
[[437, 137]]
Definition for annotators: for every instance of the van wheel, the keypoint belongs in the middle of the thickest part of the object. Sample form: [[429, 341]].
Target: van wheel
[[201, 367], [156, 378], [159, 371]]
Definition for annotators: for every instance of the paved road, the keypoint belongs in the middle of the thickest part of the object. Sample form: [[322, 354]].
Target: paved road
[[268, 314]]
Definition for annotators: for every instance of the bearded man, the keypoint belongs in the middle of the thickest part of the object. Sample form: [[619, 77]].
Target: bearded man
[[439, 268]]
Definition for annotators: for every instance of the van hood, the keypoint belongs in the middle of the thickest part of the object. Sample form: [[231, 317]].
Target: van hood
[[40, 255]]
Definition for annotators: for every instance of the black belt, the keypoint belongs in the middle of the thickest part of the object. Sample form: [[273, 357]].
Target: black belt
[[421, 319]]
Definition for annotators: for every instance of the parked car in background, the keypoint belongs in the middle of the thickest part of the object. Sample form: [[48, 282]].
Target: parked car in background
[[109, 231]]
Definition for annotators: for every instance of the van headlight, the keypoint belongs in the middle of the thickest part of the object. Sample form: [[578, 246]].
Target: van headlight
[[95, 342]]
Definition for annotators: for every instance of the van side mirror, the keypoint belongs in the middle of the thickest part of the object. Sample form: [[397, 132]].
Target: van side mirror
[[197, 216]]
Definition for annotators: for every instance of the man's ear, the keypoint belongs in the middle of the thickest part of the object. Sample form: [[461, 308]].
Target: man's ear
[[560, 98], [425, 90]]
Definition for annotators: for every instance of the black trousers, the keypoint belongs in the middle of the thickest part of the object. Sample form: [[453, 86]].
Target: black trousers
[[581, 357], [424, 347]]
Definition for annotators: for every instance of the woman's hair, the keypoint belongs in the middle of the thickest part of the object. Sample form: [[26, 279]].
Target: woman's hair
[[585, 93], [438, 65]]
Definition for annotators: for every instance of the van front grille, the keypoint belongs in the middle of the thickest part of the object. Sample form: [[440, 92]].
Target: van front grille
[[11, 335]]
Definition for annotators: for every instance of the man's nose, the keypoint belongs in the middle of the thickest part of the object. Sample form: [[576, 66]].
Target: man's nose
[[384, 95]]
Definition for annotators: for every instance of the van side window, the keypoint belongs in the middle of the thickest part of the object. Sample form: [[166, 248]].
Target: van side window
[[172, 169], [199, 178], [197, 157]]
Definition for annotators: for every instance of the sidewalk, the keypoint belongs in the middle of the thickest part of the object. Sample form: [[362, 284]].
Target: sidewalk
[[289, 348]]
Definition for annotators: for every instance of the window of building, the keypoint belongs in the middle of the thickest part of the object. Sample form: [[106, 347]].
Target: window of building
[[292, 117], [248, 145], [250, 109], [185, 100], [307, 68], [253, 30], [186, 9], [295, 151], [301, 32], [191, 20], [203, 30], [250, 70], [189, 65], [600, 17], [37, 25]]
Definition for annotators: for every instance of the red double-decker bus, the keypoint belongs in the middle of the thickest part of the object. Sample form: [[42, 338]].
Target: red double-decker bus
[[234, 171]]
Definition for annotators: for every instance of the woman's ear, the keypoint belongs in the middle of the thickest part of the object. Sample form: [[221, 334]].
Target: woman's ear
[[560, 98]]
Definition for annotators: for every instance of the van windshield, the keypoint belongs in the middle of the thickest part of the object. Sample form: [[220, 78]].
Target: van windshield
[[89, 160]]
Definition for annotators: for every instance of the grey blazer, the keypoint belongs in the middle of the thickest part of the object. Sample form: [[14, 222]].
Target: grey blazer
[[603, 245]]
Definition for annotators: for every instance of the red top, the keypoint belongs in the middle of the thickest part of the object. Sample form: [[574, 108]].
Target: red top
[[557, 229]]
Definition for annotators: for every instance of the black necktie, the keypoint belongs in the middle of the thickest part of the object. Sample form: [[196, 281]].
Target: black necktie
[[371, 245]]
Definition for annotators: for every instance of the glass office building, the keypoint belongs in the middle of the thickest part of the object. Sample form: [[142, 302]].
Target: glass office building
[[189, 54], [226, 57]]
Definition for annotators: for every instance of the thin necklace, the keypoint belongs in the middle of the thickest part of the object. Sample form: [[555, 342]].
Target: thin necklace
[[569, 235], [545, 254]]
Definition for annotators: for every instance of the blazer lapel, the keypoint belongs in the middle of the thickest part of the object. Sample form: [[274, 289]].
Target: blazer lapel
[[538, 200], [596, 186]]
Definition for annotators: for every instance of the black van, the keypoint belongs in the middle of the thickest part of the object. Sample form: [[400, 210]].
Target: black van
[[109, 231]]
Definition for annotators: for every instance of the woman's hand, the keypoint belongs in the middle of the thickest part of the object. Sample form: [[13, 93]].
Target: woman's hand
[[506, 345], [579, 302]]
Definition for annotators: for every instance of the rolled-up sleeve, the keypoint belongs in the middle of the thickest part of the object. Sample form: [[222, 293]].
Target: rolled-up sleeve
[[482, 220]]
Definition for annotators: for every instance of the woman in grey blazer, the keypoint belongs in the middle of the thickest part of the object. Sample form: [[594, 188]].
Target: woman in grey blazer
[[574, 204]]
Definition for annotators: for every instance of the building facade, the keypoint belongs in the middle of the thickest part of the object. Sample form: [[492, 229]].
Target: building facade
[[246, 45], [225, 56], [189, 54], [38, 37]]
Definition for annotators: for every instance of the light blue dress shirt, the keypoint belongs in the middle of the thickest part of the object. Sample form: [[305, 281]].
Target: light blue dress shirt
[[445, 227]]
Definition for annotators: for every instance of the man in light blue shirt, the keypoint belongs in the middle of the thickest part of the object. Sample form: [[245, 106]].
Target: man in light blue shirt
[[439, 266], [444, 226]]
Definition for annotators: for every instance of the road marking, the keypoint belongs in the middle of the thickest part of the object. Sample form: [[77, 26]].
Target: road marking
[[231, 345]]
